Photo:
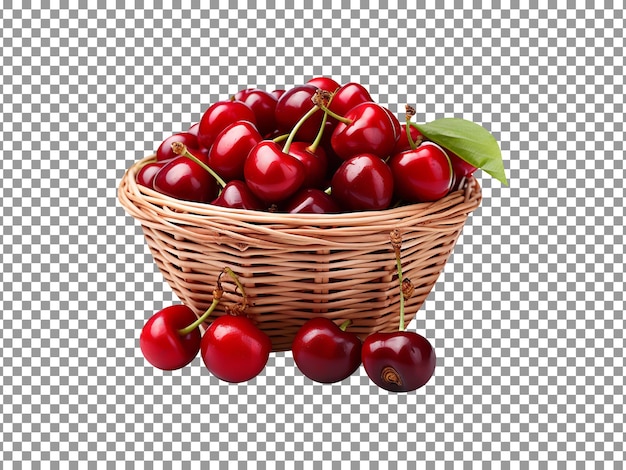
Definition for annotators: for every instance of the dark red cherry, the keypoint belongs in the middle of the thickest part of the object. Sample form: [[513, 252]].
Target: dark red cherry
[[401, 361], [324, 352], [220, 115], [348, 96], [164, 152], [421, 175], [271, 174], [237, 195], [234, 349], [461, 169], [370, 131], [292, 106], [231, 148], [161, 342], [182, 178], [312, 201], [263, 105], [363, 182], [146, 175], [397, 128], [315, 163], [278, 93]]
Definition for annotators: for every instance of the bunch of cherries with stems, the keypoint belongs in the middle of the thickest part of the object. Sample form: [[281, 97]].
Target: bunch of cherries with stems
[[233, 348], [315, 148], [399, 361]]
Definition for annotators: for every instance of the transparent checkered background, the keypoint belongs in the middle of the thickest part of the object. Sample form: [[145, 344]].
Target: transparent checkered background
[[527, 319]]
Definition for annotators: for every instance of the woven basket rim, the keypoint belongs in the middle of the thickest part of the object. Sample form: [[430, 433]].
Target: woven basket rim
[[200, 210]]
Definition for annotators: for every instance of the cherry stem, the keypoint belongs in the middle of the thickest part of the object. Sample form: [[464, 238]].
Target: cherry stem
[[318, 138], [181, 149], [344, 326], [410, 112], [217, 295], [396, 242], [319, 97], [235, 278], [280, 138], [322, 99], [297, 127]]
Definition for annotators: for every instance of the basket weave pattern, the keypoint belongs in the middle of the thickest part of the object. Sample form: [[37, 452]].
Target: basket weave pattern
[[294, 267]]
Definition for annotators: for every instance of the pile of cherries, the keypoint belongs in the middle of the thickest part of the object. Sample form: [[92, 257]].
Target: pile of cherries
[[235, 350], [319, 147]]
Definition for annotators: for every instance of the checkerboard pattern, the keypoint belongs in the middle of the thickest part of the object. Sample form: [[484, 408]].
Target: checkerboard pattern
[[527, 318]]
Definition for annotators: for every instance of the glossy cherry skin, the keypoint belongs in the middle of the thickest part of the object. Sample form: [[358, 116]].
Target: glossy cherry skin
[[325, 353], [324, 83], [165, 152], [401, 361], [220, 115], [315, 163], [397, 128], [146, 175], [364, 182], [348, 96], [263, 105], [231, 148], [371, 131], [161, 343], [294, 104], [237, 195], [194, 129], [312, 201], [278, 93], [271, 174], [182, 178], [461, 170], [234, 349], [421, 175]]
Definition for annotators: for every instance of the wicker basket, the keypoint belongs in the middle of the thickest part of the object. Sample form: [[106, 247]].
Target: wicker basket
[[294, 267]]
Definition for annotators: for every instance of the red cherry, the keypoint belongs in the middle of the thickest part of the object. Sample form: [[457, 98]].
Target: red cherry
[[324, 352], [312, 201], [461, 169], [370, 131], [164, 152], [237, 195], [364, 182], [194, 129], [324, 83], [292, 106], [397, 128], [263, 105], [401, 361], [234, 349], [277, 93], [220, 115], [315, 163], [146, 175], [231, 148], [271, 174], [348, 96], [423, 174], [182, 178], [161, 342]]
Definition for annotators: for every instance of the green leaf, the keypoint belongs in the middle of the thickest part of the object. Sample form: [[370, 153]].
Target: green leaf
[[470, 141]]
